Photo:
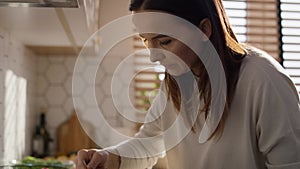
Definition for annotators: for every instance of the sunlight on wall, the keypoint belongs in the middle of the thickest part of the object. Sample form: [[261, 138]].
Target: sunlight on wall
[[14, 115]]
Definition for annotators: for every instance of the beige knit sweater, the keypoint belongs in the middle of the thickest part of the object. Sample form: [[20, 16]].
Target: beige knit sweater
[[261, 131]]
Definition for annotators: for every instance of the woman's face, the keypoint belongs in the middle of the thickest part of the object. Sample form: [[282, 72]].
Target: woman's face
[[175, 56]]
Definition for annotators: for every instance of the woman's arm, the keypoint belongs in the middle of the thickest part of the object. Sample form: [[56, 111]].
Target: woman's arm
[[147, 146], [134, 153], [278, 122]]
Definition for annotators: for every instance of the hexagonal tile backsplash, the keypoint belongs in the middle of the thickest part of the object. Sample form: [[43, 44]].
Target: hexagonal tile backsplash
[[54, 80], [58, 70]]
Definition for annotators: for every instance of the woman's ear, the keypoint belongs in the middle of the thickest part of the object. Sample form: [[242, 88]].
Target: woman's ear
[[205, 27]]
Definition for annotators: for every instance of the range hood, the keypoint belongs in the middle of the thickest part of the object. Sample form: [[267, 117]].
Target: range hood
[[40, 3]]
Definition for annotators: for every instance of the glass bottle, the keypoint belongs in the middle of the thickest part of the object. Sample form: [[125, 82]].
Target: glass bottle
[[41, 138]]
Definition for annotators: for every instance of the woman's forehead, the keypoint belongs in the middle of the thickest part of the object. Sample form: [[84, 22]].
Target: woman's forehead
[[149, 25], [147, 35]]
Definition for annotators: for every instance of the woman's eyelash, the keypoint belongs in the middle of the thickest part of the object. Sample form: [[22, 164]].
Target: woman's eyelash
[[144, 39], [166, 42]]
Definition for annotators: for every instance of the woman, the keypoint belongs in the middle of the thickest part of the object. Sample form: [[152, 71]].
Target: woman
[[258, 126]]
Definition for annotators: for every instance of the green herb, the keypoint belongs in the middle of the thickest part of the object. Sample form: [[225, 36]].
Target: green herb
[[30, 162]]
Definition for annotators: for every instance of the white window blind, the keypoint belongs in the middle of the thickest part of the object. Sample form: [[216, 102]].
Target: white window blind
[[255, 22], [148, 77], [290, 14]]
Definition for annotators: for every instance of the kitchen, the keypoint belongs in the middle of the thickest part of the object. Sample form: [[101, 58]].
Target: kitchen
[[38, 50], [39, 47]]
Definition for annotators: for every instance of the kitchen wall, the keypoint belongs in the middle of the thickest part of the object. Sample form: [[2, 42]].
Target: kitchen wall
[[29, 82], [54, 81], [17, 97], [54, 91]]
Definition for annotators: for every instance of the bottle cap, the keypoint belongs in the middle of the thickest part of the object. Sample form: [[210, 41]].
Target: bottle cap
[[43, 109]]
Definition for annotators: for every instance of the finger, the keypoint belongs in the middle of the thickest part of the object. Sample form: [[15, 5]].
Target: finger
[[91, 153], [82, 157], [98, 160], [76, 160]]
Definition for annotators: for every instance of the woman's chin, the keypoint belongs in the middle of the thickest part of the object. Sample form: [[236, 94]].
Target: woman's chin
[[173, 72]]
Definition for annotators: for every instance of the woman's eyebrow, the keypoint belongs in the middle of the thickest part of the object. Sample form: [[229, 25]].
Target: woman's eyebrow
[[159, 36], [140, 35], [155, 37]]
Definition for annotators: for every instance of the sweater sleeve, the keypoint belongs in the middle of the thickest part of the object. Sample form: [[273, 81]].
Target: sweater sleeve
[[278, 121], [147, 146]]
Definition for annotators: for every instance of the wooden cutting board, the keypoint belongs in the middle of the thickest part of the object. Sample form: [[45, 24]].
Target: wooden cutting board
[[71, 137]]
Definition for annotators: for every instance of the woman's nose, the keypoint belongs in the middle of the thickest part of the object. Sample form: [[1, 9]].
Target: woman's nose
[[156, 55]]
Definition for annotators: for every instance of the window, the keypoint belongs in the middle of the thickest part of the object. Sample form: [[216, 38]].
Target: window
[[255, 22], [290, 21], [271, 25], [148, 77]]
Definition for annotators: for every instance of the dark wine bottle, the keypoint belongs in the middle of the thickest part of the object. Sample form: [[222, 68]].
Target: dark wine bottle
[[41, 138], [37, 143]]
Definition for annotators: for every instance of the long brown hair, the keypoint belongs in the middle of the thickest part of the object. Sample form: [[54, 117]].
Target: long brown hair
[[230, 51]]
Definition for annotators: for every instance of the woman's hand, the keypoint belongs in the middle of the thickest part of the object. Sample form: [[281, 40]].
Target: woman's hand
[[91, 159]]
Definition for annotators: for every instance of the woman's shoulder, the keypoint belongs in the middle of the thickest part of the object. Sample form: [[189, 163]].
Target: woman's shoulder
[[258, 64], [260, 59], [261, 70]]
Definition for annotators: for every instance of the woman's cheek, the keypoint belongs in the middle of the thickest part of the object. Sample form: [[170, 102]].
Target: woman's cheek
[[178, 70]]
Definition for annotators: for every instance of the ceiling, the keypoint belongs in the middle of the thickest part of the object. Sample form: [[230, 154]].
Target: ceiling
[[43, 26]]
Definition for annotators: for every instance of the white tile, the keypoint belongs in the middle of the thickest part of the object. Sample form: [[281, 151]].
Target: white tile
[[99, 76], [1, 112], [70, 63], [91, 60], [41, 101], [69, 106], [118, 86], [42, 64], [108, 109], [109, 64], [55, 116], [56, 59], [42, 85], [90, 117], [106, 85], [80, 65], [3, 64], [89, 97], [99, 94], [2, 86], [78, 85], [125, 70], [29, 62], [56, 73], [68, 85], [6, 43], [1, 47], [79, 104], [89, 74], [30, 107], [56, 96], [2, 33], [13, 55], [33, 87]]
